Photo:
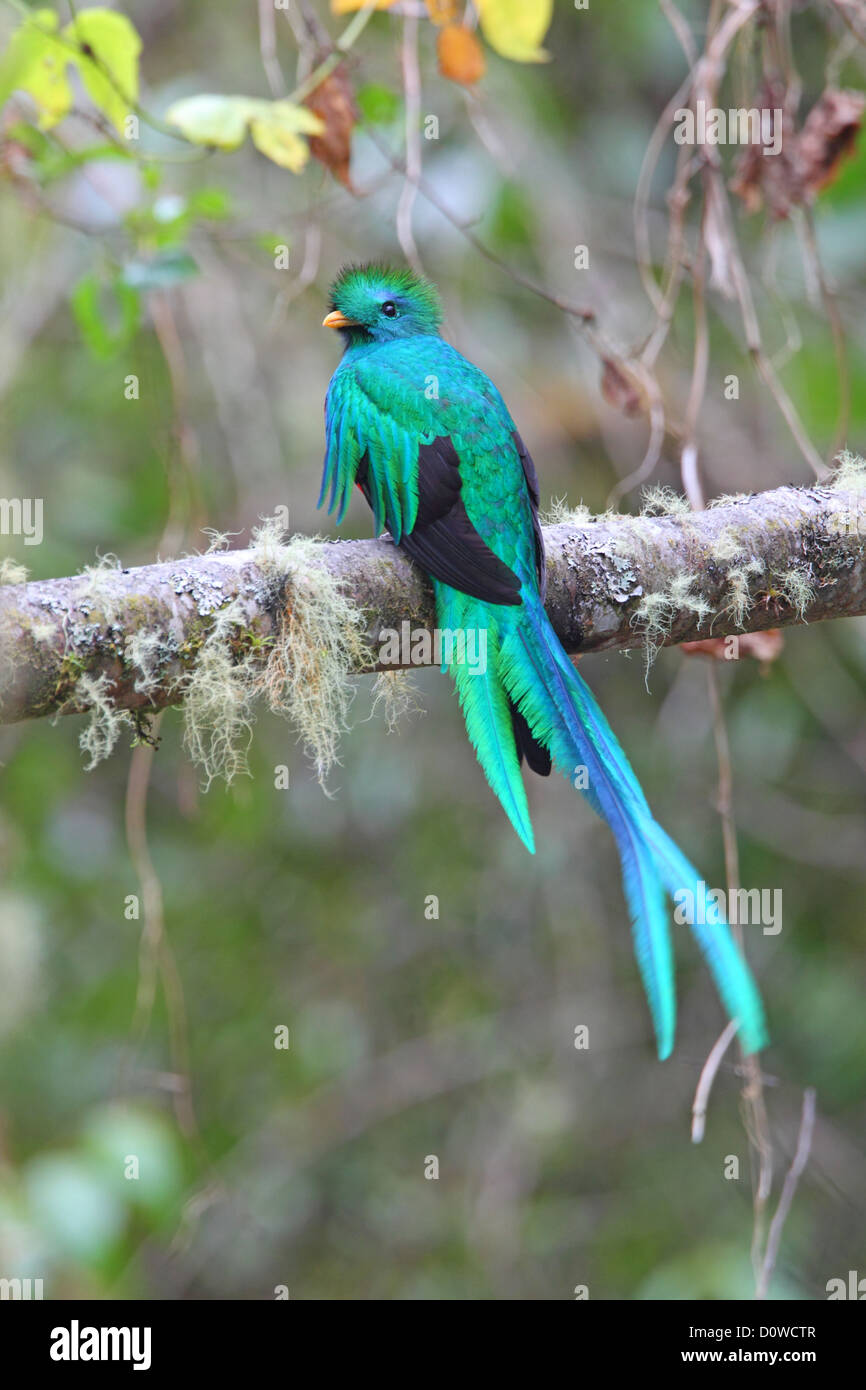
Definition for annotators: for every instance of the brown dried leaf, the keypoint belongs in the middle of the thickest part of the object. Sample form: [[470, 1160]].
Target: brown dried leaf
[[333, 101], [828, 136], [809, 158], [461, 57], [762, 646], [770, 178], [619, 390]]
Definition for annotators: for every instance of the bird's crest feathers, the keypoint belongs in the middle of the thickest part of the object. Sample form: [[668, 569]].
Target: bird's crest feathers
[[360, 290]]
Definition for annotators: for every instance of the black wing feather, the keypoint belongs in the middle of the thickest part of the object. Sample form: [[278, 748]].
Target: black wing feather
[[531, 477], [443, 540], [536, 754]]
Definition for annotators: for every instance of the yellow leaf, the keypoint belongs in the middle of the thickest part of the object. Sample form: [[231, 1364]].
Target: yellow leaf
[[515, 28], [278, 132], [347, 6], [35, 62], [212, 120], [108, 50], [277, 127]]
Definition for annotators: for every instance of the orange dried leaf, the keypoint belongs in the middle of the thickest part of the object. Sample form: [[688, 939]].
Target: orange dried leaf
[[461, 57]]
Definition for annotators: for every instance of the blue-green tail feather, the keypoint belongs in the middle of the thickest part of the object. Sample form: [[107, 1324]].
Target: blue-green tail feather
[[486, 708], [527, 665]]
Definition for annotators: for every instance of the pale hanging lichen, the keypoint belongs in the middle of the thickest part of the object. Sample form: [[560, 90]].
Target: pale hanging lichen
[[850, 473], [96, 590], [11, 572], [218, 541], [395, 696], [104, 720], [660, 500], [319, 645], [797, 590], [738, 581], [657, 611], [304, 670], [146, 648], [850, 477], [219, 695], [559, 513]]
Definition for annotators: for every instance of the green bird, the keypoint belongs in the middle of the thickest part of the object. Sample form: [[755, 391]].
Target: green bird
[[428, 439]]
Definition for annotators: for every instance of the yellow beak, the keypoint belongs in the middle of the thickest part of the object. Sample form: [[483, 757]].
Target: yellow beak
[[337, 320]]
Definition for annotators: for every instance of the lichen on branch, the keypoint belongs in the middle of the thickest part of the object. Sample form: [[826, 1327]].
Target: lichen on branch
[[293, 622]]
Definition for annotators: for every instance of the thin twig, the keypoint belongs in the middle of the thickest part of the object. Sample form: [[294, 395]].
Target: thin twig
[[268, 48], [707, 1077], [789, 1188], [412, 98]]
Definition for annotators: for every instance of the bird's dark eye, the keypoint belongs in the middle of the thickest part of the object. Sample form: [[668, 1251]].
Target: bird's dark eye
[[389, 309]]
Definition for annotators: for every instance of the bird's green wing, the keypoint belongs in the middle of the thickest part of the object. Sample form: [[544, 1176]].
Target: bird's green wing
[[375, 420]]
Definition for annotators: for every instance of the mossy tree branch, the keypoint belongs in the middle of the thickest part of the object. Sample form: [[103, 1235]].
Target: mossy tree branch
[[770, 559]]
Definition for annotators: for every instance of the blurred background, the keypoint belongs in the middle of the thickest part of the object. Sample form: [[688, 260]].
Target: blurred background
[[157, 1037]]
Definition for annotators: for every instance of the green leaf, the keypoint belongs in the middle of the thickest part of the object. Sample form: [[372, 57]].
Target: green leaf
[[101, 339], [35, 62], [213, 204], [277, 127], [515, 28], [162, 272], [109, 49], [151, 176], [377, 104], [269, 241], [513, 220]]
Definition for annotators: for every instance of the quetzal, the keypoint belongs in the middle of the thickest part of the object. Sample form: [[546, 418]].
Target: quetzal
[[428, 439]]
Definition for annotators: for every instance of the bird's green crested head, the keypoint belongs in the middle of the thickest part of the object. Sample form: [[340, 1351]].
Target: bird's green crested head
[[378, 304]]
